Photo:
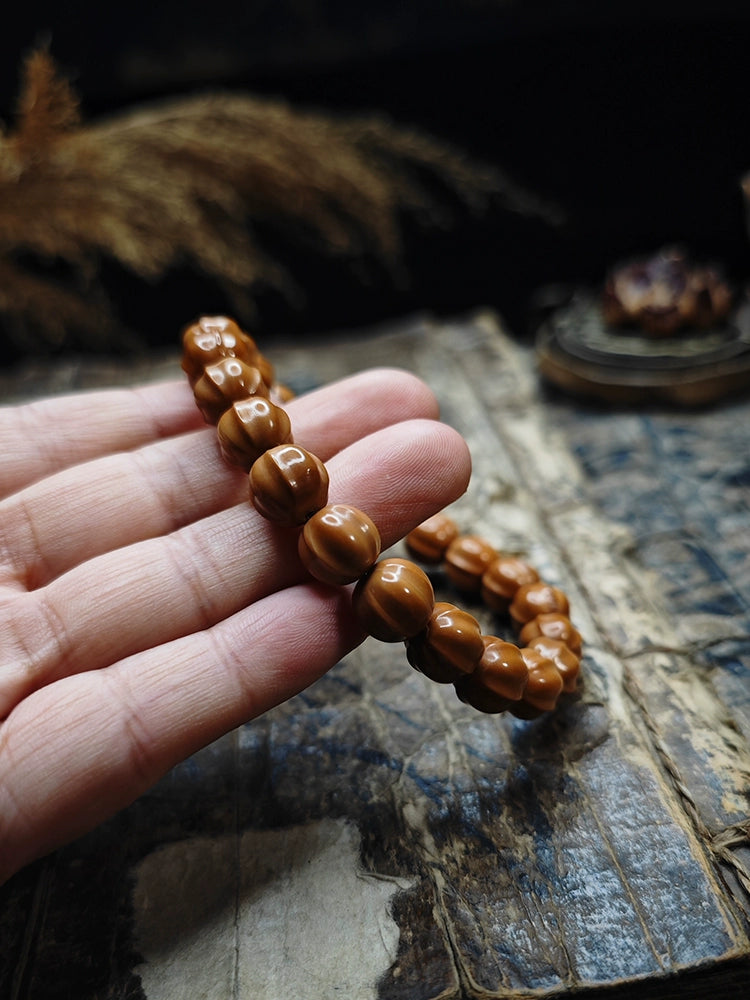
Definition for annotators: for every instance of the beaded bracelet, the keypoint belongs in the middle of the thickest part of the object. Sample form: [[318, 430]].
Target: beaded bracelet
[[393, 598]]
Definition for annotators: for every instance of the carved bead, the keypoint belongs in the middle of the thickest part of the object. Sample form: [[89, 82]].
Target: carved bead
[[338, 544], [555, 626], [466, 560], [251, 426], [281, 393], [567, 662], [211, 339], [393, 602], [538, 598], [450, 645], [472, 692], [498, 681], [544, 685], [288, 484], [502, 669], [266, 369], [223, 383], [429, 540], [502, 579]]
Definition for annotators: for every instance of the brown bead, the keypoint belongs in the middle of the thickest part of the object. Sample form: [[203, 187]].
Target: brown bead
[[338, 544], [251, 426], [211, 339], [544, 685], [499, 680], [502, 578], [467, 559], [281, 393], [538, 598], [223, 383], [472, 692], [524, 710], [265, 368], [393, 602], [502, 669], [429, 540], [567, 662], [555, 626], [288, 484], [450, 645]]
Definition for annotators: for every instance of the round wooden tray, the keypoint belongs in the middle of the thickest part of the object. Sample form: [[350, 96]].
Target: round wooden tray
[[577, 351]]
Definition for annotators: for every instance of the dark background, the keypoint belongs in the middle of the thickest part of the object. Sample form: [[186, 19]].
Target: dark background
[[633, 117]]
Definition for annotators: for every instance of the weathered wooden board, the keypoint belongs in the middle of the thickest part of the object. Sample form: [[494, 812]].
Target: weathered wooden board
[[374, 838]]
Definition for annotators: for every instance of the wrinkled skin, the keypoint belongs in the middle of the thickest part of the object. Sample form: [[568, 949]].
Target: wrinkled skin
[[146, 608]]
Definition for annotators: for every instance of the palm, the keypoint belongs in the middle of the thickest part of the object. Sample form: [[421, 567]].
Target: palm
[[146, 608]]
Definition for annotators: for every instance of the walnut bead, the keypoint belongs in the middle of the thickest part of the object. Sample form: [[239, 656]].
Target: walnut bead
[[499, 680], [466, 560], [555, 626], [450, 645], [502, 668], [223, 383], [288, 484], [538, 598], [472, 692], [281, 393], [338, 544], [250, 427], [211, 339], [567, 662], [394, 600], [502, 578], [429, 540], [266, 369], [544, 685]]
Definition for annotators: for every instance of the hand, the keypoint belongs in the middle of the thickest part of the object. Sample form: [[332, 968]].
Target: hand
[[146, 608]]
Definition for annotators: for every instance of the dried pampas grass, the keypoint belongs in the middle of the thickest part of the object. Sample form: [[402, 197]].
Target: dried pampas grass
[[200, 184]]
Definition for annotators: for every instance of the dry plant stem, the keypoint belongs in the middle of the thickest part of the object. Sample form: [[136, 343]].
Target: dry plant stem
[[193, 183]]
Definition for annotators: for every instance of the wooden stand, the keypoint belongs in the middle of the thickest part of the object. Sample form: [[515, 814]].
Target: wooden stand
[[578, 352]]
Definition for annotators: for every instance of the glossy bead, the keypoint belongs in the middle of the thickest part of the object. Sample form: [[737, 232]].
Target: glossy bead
[[538, 598], [450, 645], [211, 339], [288, 484], [567, 662], [251, 426], [502, 669], [338, 544], [266, 369], [472, 692], [394, 600], [544, 685], [223, 383], [466, 561], [555, 626], [429, 540], [281, 393], [498, 681], [502, 578]]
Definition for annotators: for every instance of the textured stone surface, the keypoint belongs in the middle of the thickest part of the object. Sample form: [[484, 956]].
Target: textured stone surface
[[605, 847]]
